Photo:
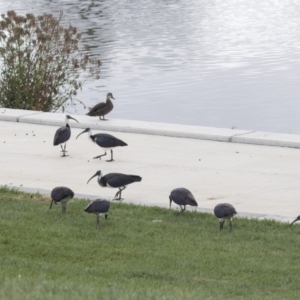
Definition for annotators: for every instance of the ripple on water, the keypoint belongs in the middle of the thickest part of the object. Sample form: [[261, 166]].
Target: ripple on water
[[208, 63]]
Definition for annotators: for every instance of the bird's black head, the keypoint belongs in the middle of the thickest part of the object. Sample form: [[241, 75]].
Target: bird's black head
[[98, 173], [85, 130], [110, 96], [297, 219]]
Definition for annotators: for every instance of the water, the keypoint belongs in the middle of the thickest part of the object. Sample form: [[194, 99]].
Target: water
[[219, 63]]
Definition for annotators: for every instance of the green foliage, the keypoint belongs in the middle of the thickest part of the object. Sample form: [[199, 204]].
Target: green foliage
[[42, 65], [140, 253]]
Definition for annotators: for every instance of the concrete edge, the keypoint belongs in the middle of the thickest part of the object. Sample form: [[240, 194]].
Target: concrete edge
[[257, 216], [159, 129]]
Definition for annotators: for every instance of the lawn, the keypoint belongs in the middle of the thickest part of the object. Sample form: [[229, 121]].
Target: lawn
[[140, 253]]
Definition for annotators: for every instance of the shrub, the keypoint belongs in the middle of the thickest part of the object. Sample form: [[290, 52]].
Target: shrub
[[41, 64]]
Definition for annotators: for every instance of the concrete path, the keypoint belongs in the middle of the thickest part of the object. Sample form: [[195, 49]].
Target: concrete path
[[260, 181]]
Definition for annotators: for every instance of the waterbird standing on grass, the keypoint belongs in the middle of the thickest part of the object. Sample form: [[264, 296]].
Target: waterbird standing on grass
[[297, 219], [62, 195], [182, 197], [224, 211], [103, 108], [116, 180], [62, 135], [105, 141], [98, 207]]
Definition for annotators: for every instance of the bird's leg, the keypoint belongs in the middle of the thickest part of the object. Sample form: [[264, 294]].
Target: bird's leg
[[230, 222], [106, 215], [119, 193], [111, 155], [98, 221], [63, 208], [182, 210], [221, 224], [100, 156], [124, 187], [178, 212], [64, 150]]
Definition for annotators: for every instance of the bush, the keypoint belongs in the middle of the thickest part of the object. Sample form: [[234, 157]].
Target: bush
[[41, 64]]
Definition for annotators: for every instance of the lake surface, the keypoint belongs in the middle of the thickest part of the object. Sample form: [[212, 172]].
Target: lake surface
[[219, 63]]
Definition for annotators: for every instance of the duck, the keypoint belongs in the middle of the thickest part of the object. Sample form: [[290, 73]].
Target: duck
[[103, 108]]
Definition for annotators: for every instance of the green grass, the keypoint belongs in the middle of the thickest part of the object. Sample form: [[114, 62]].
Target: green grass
[[44, 255]]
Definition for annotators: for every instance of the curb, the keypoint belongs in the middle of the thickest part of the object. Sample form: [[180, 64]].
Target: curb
[[160, 129]]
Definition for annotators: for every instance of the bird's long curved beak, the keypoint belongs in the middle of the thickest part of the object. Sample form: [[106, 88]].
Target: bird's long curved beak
[[86, 130], [51, 203], [92, 178], [113, 98], [73, 119]]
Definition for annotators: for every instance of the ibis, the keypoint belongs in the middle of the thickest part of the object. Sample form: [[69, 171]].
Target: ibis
[[105, 141], [297, 219], [115, 180], [62, 135], [182, 197], [98, 207], [103, 108], [62, 195], [224, 211]]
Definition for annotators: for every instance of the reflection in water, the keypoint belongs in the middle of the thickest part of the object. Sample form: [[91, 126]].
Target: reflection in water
[[218, 63]]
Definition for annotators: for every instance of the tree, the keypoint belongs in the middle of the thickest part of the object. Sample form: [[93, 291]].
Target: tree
[[41, 63]]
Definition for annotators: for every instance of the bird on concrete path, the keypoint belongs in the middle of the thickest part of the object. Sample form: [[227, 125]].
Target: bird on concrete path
[[103, 108], [98, 207], [297, 219], [116, 180], [62, 135], [63, 195], [105, 141], [182, 197], [224, 211]]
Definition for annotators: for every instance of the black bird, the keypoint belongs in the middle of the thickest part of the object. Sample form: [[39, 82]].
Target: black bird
[[105, 141], [297, 219], [63, 195], [182, 197], [116, 180], [224, 211], [62, 135], [103, 108], [98, 207]]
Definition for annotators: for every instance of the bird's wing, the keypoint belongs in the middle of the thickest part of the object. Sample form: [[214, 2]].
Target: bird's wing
[[60, 193], [117, 179], [62, 135], [97, 108], [229, 209], [190, 199], [98, 206], [224, 209], [106, 140]]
